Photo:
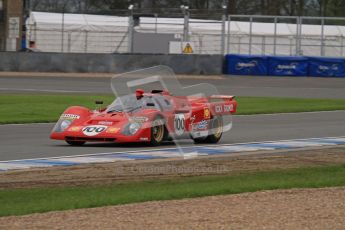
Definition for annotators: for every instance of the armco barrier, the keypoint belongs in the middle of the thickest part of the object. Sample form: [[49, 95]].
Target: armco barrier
[[326, 67], [284, 66], [287, 66], [246, 64], [108, 63]]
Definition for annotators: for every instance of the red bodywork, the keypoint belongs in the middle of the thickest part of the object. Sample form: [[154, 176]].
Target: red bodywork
[[184, 116]]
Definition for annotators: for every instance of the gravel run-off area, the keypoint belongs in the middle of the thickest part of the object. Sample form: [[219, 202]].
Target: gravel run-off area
[[277, 209], [280, 209]]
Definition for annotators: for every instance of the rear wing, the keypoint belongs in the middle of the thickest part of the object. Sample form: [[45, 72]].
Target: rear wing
[[222, 97], [223, 104]]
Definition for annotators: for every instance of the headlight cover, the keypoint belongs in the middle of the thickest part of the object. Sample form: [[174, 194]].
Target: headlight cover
[[65, 124], [131, 128]]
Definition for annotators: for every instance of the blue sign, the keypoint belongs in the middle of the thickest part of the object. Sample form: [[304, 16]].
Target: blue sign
[[288, 66], [326, 67], [246, 64]]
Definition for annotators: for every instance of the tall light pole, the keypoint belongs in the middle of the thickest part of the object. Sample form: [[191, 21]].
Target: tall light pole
[[130, 28], [225, 4], [63, 27], [224, 16], [65, 2], [185, 11]]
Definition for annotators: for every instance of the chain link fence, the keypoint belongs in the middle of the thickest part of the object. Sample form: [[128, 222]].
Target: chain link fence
[[152, 33]]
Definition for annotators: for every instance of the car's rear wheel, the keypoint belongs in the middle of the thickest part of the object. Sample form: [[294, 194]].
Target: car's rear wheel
[[76, 143], [158, 132], [217, 131]]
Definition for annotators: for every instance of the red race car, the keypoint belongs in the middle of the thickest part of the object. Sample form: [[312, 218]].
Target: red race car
[[147, 117]]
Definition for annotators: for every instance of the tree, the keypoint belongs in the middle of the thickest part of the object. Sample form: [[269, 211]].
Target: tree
[[337, 8], [232, 6], [263, 7]]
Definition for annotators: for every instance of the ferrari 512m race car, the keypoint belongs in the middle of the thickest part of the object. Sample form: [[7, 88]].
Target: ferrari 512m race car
[[147, 117]]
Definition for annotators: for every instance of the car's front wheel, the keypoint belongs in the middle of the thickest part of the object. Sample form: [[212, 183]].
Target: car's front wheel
[[158, 132], [76, 143]]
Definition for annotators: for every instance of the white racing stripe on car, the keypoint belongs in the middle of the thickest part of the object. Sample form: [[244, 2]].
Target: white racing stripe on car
[[190, 152]]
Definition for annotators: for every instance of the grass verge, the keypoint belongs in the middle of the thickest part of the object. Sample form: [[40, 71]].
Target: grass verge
[[47, 108], [43, 108], [36, 200]]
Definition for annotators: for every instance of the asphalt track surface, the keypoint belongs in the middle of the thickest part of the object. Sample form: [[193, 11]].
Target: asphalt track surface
[[303, 87], [31, 141]]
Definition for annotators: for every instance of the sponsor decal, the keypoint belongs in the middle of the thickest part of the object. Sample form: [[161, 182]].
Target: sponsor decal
[[105, 123], [242, 65], [200, 134], [75, 129], [113, 130], [219, 109], [201, 125], [228, 108], [93, 130], [224, 108], [322, 68], [143, 138], [69, 116], [138, 119], [179, 124], [287, 67], [207, 114], [192, 119]]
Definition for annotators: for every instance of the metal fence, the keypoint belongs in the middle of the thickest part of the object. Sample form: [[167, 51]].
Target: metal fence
[[238, 34], [80, 41], [288, 36]]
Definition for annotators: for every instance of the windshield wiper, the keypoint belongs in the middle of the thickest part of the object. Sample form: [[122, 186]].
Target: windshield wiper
[[127, 110], [114, 110], [130, 109]]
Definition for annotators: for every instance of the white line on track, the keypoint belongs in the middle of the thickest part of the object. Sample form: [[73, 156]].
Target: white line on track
[[171, 148]]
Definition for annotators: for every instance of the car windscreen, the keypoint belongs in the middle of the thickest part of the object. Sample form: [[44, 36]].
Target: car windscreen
[[131, 103]]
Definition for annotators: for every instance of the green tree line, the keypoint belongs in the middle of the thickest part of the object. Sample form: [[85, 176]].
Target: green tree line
[[330, 8]]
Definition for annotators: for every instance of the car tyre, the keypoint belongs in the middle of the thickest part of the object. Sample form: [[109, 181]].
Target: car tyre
[[217, 126], [76, 143], [158, 132]]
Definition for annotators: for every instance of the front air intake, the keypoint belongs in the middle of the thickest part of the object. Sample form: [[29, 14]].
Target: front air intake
[[94, 139]]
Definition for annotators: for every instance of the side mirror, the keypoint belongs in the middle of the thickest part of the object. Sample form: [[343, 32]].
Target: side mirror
[[99, 102], [150, 104]]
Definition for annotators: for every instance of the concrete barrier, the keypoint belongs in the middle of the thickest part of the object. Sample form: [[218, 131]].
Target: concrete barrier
[[108, 63]]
